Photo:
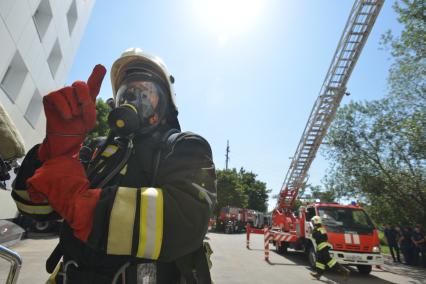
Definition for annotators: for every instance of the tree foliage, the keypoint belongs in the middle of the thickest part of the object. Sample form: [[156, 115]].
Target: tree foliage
[[378, 148], [241, 189], [101, 128]]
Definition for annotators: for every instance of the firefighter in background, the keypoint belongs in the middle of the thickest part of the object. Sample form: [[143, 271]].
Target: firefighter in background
[[139, 211], [323, 259]]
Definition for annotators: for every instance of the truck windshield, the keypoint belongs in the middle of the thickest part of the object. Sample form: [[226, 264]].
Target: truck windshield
[[346, 219], [225, 210]]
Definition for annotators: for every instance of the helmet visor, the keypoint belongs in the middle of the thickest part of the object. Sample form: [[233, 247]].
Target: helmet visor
[[148, 99]]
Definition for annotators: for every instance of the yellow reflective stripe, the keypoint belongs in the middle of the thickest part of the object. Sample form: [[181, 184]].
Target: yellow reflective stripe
[[22, 193], [151, 223], [143, 221], [34, 209], [109, 150], [323, 245], [322, 230], [320, 265], [123, 170], [52, 278], [159, 221], [121, 222], [331, 263]]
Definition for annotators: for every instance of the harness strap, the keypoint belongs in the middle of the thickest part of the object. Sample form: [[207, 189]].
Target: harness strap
[[156, 165]]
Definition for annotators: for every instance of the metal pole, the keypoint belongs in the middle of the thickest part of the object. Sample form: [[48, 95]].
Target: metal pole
[[15, 264], [248, 235], [227, 154]]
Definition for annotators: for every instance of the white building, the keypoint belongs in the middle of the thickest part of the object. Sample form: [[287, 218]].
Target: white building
[[38, 42], [39, 39]]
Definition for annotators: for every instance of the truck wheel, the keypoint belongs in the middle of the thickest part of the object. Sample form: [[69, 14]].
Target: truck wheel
[[42, 226], [312, 257], [364, 269], [281, 249], [227, 230]]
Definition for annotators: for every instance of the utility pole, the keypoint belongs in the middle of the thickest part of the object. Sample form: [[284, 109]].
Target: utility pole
[[227, 154]]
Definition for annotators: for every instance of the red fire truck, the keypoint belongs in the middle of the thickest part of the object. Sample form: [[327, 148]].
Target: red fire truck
[[350, 231], [231, 219], [234, 219]]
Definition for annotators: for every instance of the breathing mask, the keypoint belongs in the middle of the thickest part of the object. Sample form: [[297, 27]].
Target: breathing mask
[[140, 105]]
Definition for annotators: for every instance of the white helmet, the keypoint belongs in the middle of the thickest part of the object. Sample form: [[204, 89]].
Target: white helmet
[[135, 55], [316, 220]]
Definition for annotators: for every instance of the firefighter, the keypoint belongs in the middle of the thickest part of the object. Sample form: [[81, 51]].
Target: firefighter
[[139, 211], [323, 259]]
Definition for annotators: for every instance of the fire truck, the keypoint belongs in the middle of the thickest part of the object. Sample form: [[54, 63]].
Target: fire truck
[[234, 219], [350, 231], [231, 219]]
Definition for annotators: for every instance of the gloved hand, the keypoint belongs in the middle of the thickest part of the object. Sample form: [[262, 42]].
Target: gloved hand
[[63, 182], [70, 115]]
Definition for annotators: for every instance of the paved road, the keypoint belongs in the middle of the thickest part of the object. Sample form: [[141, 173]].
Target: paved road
[[232, 263]]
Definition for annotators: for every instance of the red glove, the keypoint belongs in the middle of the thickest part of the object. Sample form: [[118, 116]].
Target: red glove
[[70, 115], [63, 182]]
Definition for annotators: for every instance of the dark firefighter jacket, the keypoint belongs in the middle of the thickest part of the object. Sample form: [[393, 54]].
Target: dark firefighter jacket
[[320, 236], [155, 204]]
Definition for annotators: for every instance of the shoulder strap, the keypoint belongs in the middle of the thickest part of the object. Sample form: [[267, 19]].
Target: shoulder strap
[[171, 134]]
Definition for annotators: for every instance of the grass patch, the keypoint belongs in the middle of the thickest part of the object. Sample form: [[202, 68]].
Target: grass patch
[[385, 249], [383, 246]]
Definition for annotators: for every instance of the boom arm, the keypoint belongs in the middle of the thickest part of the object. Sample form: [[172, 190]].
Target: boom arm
[[357, 29]]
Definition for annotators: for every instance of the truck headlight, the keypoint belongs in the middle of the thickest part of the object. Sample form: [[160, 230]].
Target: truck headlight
[[376, 249]]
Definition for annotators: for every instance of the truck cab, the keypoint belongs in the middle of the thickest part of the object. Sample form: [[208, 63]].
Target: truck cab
[[351, 233]]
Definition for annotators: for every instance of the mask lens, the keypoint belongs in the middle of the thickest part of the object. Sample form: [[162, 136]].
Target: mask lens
[[147, 97]]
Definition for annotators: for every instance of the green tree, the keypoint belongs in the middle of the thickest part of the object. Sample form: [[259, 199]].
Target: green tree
[[101, 127], [241, 189], [378, 148], [255, 190], [317, 192], [229, 192]]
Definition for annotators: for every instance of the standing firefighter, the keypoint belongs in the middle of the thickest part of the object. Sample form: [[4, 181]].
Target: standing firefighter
[[324, 260], [139, 211]]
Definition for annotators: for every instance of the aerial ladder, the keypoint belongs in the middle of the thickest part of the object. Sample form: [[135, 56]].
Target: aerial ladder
[[355, 34], [289, 229]]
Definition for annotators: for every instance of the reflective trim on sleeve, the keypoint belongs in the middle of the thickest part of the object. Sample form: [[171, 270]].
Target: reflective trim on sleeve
[[323, 245], [22, 193], [331, 263], [319, 265], [151, 223], [34, 209], [121, 222]]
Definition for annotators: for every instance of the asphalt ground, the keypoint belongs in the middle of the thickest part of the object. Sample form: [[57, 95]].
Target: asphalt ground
[[232, 263]]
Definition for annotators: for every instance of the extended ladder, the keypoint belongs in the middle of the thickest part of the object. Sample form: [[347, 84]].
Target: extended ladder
[[357, 29]]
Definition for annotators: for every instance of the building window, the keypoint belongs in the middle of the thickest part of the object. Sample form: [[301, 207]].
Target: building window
[[32, 114], [54, 58], [14, 77], [42, 18], [72, 16]]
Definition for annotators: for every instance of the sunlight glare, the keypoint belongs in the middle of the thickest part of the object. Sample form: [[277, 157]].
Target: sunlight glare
[[228, 17]]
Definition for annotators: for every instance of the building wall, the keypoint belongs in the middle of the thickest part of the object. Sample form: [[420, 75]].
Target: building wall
[[38, 42], [39, 39]]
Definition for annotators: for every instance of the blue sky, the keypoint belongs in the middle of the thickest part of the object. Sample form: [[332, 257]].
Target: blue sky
[[248, 73]]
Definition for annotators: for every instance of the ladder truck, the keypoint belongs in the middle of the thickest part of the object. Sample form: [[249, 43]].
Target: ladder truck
[[350, 231]]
